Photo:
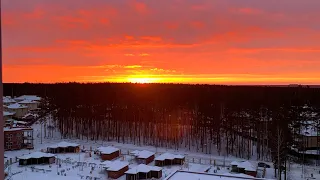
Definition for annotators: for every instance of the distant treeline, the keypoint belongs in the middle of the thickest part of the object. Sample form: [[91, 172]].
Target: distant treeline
[[167, 94]]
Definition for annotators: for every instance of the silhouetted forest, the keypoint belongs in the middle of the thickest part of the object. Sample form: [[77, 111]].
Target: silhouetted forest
[[232, 120]]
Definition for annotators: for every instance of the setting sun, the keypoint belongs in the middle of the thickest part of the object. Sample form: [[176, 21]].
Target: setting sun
[[143, 80]]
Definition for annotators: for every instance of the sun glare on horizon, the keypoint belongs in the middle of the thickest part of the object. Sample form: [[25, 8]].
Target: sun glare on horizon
[[143, 80]]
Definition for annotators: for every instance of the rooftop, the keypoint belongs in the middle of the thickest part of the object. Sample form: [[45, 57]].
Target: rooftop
[[64, 144], [107, 150], [36, 155], [143, 168], [28, 97], [116, 165], [8, 100], [5, 113], [16, 106], [143, 154], [16, 129], [186, 175], [28, 101], [246, 165], [168, 156]]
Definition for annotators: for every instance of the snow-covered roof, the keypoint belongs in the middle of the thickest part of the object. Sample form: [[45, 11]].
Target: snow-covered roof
[[63, 144], [106, 164], [16, 106], [247, 166], [185, 175], [16, 122], [16, 129], [107, 150], [117, 165], [28, 101], [5, 113], [241, 175], [234, 163], [28, 97], [143, 168], [36, 155], [169, 156], [8, 100], [144, 154]]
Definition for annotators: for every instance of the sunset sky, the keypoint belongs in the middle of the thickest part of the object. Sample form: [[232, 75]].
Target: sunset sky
[[185, 41]]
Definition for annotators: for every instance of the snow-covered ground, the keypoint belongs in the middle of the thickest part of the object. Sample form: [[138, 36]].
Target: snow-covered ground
[[197, 162]]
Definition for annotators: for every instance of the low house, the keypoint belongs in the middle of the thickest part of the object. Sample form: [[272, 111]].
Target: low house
[[18, 109], [143, 171], [244, 167], [116, 169], [166, 159], [8, 115], [37, 158], [32, 105], [64, 147], [18, 138], [144, 157], [109, 153]]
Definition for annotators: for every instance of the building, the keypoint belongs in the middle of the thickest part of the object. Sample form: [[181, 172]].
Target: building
[[18, 138], [64, 147], [144, 157], [244, 167], [37, 158], [116, 169], [143, 171], [8, 115], [32, 105], [187, 175], [7, 100], [109, 153], [18, 110], [15, 123], [27, 97], [167, 159]]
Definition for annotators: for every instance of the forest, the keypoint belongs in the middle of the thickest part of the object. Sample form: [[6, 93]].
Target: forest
[[243, 121]]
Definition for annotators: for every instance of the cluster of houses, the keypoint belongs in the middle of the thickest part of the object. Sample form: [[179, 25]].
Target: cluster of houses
[[17, 114], [109, 156], [116, 167]]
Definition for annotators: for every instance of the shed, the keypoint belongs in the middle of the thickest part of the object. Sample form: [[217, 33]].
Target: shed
[[145, 157], [143, 171], [166, 159], [64, 147], [244, 167], [109, 153], [37, 158], [116, 169]]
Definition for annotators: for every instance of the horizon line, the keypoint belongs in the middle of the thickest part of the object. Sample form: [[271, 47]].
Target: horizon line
[[171, 83]]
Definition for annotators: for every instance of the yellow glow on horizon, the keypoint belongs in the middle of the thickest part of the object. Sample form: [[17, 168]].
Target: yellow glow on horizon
[[143, 80]]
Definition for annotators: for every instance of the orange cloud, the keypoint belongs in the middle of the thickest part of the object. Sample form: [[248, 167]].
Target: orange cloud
[[249, 11], [139, 7], [197, 24]]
